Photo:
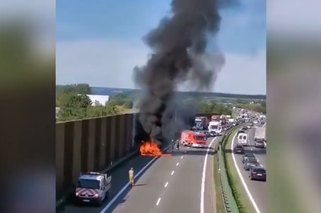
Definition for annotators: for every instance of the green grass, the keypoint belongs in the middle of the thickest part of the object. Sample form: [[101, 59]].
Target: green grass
[[242, 200], [218, 192]]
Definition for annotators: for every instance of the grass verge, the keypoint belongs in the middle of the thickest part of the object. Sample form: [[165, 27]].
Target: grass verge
[[242, 201], [218, 192]]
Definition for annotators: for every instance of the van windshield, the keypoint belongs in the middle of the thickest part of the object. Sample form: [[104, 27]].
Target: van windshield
[[88, 184], [199, 138], [213, 126]]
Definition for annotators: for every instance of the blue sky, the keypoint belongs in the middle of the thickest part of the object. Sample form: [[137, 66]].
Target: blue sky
[[99, 42]]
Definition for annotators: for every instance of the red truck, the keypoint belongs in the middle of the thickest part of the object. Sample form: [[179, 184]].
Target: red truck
[[193, 139]]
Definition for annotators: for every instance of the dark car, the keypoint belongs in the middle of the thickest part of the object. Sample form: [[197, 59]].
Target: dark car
[[259, 144], [257, 173], [244, 128], [250, 162], [238, 149], [247, 155], [240, 131]]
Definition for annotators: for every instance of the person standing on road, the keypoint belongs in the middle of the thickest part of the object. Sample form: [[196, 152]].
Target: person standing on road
[[131, 176], [173, 144]]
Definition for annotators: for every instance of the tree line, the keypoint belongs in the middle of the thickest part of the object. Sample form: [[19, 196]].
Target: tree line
[[74, 103], [257, 107]]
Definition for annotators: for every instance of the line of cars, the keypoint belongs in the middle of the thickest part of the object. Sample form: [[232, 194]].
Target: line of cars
[[251, 164]]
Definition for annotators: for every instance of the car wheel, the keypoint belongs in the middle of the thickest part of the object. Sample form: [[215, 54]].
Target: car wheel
[[99, 203], [107, 195]]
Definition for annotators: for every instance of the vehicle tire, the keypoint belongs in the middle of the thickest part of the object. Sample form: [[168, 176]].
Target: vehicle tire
[[76, 203]]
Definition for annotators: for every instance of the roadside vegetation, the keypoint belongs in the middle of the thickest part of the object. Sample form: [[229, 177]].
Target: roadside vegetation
[[220, 208], [73, 103], [238, 191]]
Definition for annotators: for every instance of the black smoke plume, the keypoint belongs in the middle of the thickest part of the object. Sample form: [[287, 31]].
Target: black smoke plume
[[179, 56]]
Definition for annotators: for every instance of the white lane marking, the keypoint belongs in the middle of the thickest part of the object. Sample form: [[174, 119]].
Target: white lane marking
[[182, 157], [177, 164], [172, 172], [204, 176], [159, 199], [166, 184], [257, 210], [127, 185]]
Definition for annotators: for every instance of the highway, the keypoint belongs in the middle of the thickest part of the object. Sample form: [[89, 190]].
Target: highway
[[168, 184], [256, 189]]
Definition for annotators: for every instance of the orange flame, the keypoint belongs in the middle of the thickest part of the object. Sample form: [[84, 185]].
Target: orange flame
[[150, 149]]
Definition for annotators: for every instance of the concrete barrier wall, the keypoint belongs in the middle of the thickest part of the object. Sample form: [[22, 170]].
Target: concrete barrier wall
[[90, 145]]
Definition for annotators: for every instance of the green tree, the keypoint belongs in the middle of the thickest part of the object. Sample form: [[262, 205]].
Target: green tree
[[214, 108], [74, 88], [128, 104], [121, 99], [73, 106], [111, 109]]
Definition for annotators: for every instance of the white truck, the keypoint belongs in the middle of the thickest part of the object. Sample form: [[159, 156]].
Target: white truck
[[92, 187], [214, 128], [242, 138]]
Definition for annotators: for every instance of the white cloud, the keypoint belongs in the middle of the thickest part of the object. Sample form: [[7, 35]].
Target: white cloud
[[110, 64]]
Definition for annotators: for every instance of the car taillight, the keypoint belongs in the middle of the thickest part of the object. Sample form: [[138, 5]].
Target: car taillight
[[253, 173]]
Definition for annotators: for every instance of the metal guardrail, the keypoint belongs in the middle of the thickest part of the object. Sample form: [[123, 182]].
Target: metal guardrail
[[228, 198]]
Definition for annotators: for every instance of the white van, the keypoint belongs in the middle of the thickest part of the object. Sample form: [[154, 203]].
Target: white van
[[214, 128], [242, 139]]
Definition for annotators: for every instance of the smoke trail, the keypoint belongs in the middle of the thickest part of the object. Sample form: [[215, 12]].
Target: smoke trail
[[179, 56]]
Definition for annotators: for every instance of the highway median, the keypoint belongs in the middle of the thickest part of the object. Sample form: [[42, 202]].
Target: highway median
[[225, 201], [218, 192], [241, 200]]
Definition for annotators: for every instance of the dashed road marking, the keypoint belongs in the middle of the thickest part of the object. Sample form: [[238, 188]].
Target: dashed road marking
[[166, 184], [111, 202], [172, 172], [157, 203], [182, 157], [177, 164]]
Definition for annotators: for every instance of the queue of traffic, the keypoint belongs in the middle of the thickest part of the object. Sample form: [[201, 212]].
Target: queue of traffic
[[249, 160]]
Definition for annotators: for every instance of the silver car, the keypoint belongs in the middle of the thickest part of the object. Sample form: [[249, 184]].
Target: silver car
[[251, 162]]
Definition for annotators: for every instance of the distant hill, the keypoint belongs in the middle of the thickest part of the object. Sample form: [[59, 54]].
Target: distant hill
[[185, 95]]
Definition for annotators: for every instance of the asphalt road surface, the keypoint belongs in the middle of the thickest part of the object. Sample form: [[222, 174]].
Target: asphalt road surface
[[170, 184], [257, 189]]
